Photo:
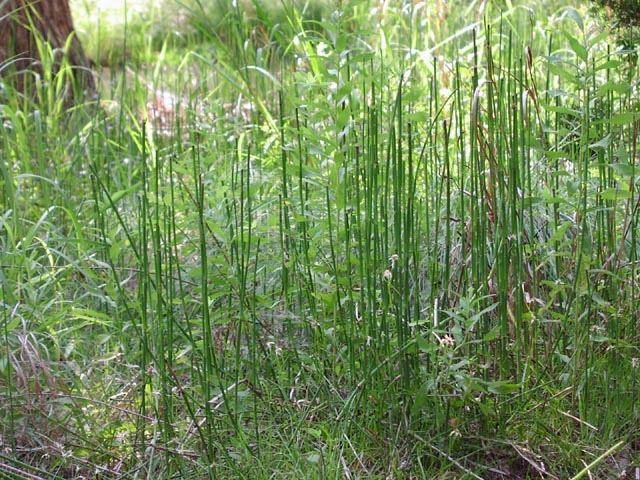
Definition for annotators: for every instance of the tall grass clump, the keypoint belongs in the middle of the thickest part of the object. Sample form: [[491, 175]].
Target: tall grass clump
[[398, 241]]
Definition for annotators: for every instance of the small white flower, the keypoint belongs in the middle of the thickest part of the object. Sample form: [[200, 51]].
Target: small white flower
[[447, 341], [322, 50]]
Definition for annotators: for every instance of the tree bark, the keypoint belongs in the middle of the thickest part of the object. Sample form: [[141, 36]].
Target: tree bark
[[25, 22]]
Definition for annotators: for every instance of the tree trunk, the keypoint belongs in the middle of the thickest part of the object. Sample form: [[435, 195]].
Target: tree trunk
[[25, 23]]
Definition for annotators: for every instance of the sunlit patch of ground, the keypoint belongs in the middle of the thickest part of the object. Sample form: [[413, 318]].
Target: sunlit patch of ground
[[102, 26], [113, 12]]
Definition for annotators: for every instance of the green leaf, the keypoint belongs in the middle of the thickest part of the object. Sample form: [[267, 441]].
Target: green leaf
[[611, 65], [598, 338], [576, 46], [420, 399], [615, 194], [563, 72], [623, 118], [492, 334], [623, 169], [424, 345], [614, 87], [572, 187], [555, 155], [12, 324], [532, 201], [502, 387], [597, 298], [602, 143], [573, 14], [560, 232], [604, 34], [623, 157]]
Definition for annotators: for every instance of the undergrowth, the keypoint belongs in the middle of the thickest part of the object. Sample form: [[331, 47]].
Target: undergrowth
[[396, 242]]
